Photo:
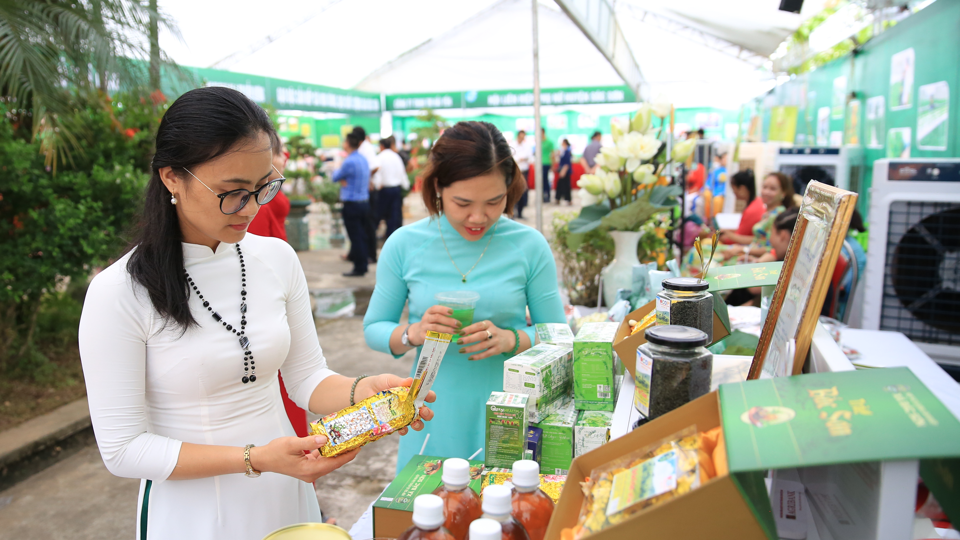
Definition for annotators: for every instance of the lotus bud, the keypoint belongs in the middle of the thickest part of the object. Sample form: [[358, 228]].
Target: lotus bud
[[682, 150], [641, 120], [611, 185], [592, 183], [645, 174], [616, 131]]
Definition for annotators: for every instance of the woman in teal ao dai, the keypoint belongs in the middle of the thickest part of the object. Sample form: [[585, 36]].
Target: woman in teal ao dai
[[467, 244]]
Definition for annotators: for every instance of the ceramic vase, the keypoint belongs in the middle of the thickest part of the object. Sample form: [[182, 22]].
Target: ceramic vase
[[619, 274]]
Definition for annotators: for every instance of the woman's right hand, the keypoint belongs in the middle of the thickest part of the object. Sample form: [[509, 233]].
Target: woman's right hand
[[297, 457], [436, 319]]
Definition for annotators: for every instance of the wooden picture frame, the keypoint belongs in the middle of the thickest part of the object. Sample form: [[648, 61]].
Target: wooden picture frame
[[804, 281]]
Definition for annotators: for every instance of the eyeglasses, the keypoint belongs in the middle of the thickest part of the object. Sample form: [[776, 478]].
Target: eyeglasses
[[232, 202]]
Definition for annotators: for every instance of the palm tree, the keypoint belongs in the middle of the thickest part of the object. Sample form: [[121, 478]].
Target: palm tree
[[57, 56]]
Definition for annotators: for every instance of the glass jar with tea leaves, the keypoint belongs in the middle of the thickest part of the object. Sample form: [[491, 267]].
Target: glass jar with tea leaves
[[673, 368], [684, 301]]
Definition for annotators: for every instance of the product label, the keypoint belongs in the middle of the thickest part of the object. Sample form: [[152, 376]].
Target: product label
[[592, 431], [653, 477], [642, 378], [506, 429], [428, 364], [663, 311]]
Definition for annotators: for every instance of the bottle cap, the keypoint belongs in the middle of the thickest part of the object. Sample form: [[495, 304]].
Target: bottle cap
[[496, 500], [687, 284], [677, 337], [485, 529], [456, 472], [526, 474], [428, 512]]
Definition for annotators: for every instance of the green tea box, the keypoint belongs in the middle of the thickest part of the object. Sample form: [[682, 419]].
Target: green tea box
[[555, 334], [592, 431], [544, 372], [393, 510], [594, 366], [556, 453], [507, 420], [534, 444]]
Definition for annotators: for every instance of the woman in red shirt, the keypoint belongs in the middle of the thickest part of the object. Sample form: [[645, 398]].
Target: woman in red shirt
[[745, 189]]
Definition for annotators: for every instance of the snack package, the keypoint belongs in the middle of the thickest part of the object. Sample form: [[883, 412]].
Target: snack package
[[638, 480], [382, 414], [551, 484]]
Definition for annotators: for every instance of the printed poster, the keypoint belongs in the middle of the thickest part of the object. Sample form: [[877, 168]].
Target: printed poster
[[898, 143], [901, 80], [874, 126], [933, 110], [823, 126], [851, 128], [836, 138], [783, 124], [839, 96]]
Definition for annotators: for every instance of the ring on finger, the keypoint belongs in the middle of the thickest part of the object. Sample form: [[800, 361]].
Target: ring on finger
[[489, 334]]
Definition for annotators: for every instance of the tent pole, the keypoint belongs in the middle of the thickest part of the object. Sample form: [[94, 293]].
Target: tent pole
[[538, 159]]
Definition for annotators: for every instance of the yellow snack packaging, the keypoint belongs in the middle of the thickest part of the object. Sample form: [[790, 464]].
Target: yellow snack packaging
[[386, 412], [551, 484]]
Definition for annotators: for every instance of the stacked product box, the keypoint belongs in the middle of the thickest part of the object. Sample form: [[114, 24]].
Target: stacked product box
[[592, 431], [534, 444], [555, 334], [595, 367], [507, 419], [545, 373], [556, 451]]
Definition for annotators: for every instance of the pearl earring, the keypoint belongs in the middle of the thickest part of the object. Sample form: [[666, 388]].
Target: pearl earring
[[173, 199]]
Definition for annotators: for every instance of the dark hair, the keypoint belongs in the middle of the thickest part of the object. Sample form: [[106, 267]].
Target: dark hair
[[468, 150], [386, 143], [746, 179], [566, 142], [596, 134], [275, 143], [354, 139], [786, 185], [701, 133], [521, 131], [787, 220], [201, 125], [856, 221], [362, 133]]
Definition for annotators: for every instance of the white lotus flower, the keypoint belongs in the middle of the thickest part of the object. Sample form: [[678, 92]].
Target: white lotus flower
[[611, 184], [636, 148], [616, 131], [611, 157], [644, 174], [586, 199], [641, 120], [661, 107], [592, 183]]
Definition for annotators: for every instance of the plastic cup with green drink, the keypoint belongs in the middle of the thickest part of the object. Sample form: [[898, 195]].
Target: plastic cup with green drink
[[462, 303]]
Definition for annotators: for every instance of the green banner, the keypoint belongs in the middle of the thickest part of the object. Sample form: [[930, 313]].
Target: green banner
[[416, 102], [292, 95], [509, 98]]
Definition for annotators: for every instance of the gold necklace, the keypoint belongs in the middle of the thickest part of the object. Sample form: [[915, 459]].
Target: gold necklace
[[464, 276]]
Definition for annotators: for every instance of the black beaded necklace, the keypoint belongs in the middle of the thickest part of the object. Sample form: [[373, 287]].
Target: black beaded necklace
[[249, 368]]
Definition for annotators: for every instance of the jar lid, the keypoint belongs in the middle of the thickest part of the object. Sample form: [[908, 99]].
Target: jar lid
[[685, 284], [679, 337]]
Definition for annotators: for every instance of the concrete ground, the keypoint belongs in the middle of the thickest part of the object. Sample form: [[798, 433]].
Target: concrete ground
[[79, 499]]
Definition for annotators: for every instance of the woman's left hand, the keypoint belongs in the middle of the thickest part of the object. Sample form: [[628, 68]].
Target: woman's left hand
[[488, 340], [375, 384]]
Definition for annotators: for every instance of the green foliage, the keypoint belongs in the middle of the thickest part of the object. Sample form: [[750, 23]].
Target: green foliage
[[300, 147], [328, 192], [435, 125], [581, 257], [58, 226]]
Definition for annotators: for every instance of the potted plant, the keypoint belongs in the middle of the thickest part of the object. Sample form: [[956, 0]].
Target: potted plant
[[628, 189]]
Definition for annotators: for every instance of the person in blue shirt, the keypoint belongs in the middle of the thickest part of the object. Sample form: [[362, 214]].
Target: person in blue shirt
[[467, 244], [354, 178], [717, 183], [564, 172]]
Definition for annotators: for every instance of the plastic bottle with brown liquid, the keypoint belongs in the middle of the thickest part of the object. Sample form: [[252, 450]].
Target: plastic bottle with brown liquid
[[427, 520], [485, 529], [531, 506], [461, 503], [496, 506]]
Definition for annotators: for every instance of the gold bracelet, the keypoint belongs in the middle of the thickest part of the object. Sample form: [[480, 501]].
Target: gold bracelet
[[251, 472]]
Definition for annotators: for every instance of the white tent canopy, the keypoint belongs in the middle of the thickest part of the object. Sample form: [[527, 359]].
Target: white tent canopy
[[696, 52]]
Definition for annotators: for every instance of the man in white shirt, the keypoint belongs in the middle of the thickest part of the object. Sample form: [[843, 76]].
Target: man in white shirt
[[390, 180], [523, 155]]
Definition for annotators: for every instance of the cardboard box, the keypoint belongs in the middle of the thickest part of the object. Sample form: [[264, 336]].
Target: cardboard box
[[393, 510], [534, 444], [591, 431], [626, 345], [595, 365], [507, 420], [555, 334], [545, 373], [557, 447], [804, 422]]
